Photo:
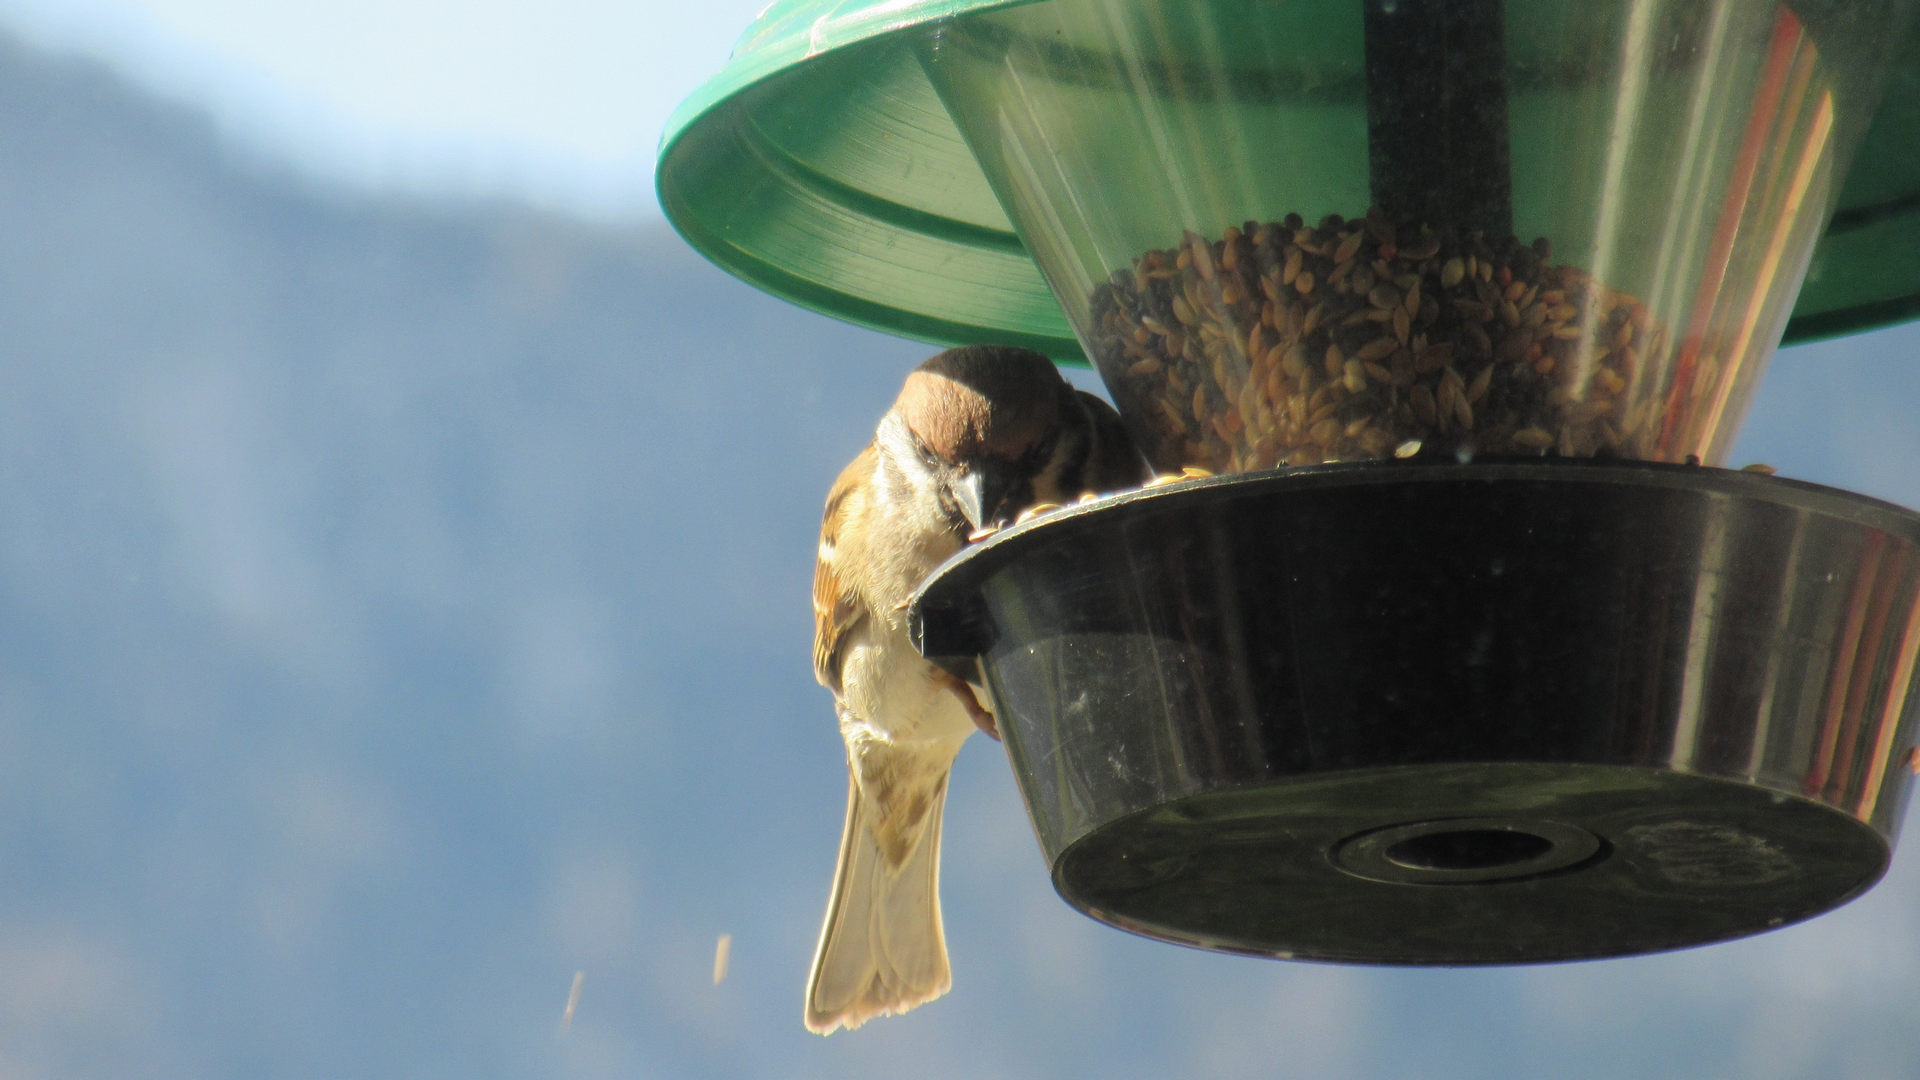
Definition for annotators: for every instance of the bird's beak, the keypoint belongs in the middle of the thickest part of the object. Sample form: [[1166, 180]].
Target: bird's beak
[[980, 491]]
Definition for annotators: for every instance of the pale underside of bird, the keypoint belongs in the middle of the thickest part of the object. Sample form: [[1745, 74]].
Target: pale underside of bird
[[977, 435]]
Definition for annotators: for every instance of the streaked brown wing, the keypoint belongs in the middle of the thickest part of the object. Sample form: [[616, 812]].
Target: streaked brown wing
[[836, 609], [1113, 464]]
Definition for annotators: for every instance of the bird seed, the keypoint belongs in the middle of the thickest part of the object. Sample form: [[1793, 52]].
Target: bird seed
[[1283, 344]]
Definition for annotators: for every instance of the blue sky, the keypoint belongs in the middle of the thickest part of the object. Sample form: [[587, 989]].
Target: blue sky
[[560, 102]]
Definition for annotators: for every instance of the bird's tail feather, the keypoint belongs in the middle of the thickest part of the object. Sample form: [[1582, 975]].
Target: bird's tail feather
[[882, 950]]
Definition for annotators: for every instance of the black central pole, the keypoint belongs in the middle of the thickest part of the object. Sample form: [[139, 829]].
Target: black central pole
[[1437, 113]]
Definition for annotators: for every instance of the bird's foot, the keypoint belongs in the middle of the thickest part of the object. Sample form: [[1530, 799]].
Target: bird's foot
[[961, 689]]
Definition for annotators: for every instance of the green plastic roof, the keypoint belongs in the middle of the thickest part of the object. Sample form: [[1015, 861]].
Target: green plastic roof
[[820, 166]]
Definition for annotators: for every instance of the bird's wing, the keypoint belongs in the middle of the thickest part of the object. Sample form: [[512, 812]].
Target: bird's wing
[[837, 609], [1114, 463]]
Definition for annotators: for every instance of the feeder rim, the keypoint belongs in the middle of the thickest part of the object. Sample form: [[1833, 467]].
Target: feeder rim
[[954, 585]]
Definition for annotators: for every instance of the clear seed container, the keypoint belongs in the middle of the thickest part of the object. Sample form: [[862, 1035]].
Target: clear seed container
[[1298, 233]]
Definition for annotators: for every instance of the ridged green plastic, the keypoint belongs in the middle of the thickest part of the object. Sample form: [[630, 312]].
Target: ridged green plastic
[[820, 166]]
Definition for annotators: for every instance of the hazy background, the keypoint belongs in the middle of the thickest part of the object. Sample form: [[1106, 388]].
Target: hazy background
[[404, 564]]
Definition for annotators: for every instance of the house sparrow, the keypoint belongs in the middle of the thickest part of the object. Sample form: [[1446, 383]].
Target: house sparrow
[[977, 435]]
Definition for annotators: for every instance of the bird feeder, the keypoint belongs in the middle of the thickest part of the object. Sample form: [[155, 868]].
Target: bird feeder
[[1470, 651]]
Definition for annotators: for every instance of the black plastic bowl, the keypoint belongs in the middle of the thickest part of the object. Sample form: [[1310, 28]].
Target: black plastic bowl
[[1441, 713]]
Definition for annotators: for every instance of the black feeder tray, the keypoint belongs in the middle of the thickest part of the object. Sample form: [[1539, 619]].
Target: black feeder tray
[[1443, 713]]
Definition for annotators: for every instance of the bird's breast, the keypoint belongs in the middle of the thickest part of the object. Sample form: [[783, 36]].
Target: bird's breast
[[889, 692]]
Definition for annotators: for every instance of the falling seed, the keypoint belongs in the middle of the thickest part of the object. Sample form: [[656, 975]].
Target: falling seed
[[573, 997], [722, 949]]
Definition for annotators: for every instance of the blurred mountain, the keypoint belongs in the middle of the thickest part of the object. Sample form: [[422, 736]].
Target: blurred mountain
[[367, 567]]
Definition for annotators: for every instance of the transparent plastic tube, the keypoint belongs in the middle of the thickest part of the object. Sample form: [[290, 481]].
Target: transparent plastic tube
[[1305, 232]]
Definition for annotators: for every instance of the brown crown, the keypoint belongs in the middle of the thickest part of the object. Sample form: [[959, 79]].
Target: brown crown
[[982, 401]]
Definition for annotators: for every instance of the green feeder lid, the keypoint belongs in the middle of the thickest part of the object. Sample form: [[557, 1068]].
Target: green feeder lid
[[821, 166]]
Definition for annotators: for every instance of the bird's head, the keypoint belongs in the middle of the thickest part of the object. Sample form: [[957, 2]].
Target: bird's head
[[986, 427]]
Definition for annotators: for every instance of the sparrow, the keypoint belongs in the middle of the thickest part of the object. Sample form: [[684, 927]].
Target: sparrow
[[977, 435]]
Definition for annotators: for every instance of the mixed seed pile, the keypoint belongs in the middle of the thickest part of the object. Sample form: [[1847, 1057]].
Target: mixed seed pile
[[1280, 344]]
